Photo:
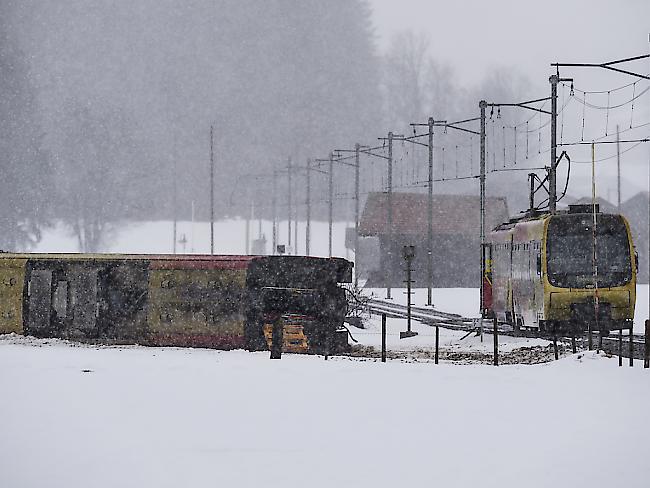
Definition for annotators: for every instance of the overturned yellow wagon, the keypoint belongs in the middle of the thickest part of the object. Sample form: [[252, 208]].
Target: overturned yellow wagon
[[184, 300]]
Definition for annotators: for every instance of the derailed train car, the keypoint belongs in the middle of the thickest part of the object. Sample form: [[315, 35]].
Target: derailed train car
[[222, 302], [562, 273]]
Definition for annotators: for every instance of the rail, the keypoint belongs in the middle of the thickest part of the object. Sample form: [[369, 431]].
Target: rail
[[433, 317]]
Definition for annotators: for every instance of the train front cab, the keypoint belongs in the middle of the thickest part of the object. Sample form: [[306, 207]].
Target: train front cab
[[575, 300], [528, 262]]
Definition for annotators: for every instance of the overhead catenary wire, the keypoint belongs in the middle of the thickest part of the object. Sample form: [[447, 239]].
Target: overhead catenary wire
[[610, 157], [410, 161], [600, 92], [627, 141], [607, 116], [632, 111], [584, 102]]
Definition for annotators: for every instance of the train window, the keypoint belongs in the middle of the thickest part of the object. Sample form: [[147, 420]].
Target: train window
[[60, 299]]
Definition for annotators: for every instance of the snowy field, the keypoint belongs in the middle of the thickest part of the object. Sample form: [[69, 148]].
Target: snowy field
[[147, 417], [74, 415]]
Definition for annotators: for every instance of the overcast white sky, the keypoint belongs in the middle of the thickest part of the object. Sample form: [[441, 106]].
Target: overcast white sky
[[475, 36]]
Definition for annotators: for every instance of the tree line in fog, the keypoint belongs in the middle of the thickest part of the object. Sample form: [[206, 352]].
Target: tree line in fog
[[106, 108]]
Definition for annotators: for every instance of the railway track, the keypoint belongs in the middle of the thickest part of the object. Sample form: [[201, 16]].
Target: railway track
[[430, 316], [433, 317]]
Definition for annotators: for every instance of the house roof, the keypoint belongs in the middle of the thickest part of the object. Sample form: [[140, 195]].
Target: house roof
[[637, 205], [452, 214], [636, 211]]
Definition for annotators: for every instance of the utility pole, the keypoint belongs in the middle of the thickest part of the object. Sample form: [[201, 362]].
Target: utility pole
[[357, 202], [308, 223], [331, 200], [289, 215], [295, 227], [211, 191], [357, 146], [248, 229], [552, 188], [389, 202], [174, 199], [618, 168], [275, 211], [431, 123], [482, 105], [430, 217]]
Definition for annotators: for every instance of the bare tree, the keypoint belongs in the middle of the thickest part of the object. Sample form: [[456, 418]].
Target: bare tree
[[24, 164], [99, 173]]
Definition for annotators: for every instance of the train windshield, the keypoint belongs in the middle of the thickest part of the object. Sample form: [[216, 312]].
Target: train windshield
[[570, 256]]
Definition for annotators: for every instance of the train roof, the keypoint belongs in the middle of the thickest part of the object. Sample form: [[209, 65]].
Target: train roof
[[164, 261], [124, 256], [537, 216]]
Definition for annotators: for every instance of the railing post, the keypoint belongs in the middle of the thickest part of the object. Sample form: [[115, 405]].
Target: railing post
[[437, 342], [631, 348], [495, 334], [646, 357], [620, 347], [383, 337]]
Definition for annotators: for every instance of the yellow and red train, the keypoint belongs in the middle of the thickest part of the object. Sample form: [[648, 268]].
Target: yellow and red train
[[562, 273], [222, 302]]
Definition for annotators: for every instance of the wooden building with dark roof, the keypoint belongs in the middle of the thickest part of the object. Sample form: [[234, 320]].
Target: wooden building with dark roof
[[456, 238]]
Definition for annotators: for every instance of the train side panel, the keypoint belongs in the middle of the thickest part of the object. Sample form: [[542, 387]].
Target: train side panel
[[501, 306], [517, 282], [196, 307], [527, 279]]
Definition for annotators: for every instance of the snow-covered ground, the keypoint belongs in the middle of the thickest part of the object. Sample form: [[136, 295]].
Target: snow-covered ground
[[74, 415], [148, 417]]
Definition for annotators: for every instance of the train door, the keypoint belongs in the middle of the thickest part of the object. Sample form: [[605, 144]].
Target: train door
[[538, 285], [39, 302]]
